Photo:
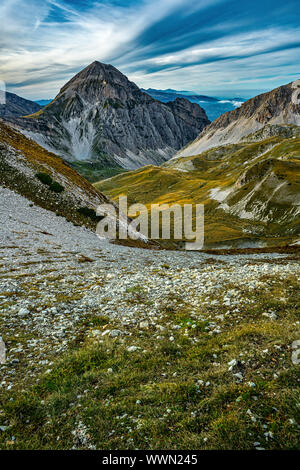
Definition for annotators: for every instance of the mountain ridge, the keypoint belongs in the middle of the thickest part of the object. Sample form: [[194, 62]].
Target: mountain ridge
[[214, 107], [16, 106], [273, 107]]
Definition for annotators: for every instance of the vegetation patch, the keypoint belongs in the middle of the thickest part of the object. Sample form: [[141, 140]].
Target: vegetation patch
[[237, 389], [48, 181]]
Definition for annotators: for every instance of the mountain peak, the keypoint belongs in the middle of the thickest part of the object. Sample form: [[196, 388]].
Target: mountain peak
[[101, 115], [96, 74]]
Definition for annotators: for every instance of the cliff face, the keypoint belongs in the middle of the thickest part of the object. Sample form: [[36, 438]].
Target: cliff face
[[99, 115], [276, 107]]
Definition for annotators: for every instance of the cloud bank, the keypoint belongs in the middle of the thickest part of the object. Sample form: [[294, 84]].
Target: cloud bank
[[208, 46]]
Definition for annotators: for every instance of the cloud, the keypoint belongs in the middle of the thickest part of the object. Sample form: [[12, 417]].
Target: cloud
[[188, 44]]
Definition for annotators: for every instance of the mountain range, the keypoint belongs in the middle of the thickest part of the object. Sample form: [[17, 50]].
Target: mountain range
[[100, 116], [243, 166], [213, 106], [274, 107]]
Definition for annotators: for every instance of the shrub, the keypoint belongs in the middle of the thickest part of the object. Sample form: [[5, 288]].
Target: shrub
[[56, 187], [87, 212], [44, 178], [53, 185]]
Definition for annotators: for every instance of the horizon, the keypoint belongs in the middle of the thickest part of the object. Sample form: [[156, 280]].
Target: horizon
[[211, 47], [220, 94]]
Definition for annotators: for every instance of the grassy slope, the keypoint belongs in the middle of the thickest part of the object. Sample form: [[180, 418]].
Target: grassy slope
[[178, 395], [78, 191], [223, 168], [39, 157]]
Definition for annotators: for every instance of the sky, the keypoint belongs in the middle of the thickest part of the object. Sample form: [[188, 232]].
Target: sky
[[215, 47]]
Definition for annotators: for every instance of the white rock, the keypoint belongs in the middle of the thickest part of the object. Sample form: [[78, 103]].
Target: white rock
[[270, 315], [23, 312], [106, 332], [115, 333]]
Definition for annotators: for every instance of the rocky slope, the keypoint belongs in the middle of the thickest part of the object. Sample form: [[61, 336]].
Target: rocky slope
[[275, 107], [251, 190], [16, 106], [45, 179], [100, 116]]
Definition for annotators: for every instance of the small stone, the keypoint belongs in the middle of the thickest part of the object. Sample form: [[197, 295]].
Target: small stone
[[270, 315], [115, 333], [238, 375], [106, 332], [251, 384], [23, 312], [232, 364]]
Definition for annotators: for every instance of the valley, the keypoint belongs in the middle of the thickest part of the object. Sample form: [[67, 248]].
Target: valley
[[110, 348], [250, 190], [113, 344]]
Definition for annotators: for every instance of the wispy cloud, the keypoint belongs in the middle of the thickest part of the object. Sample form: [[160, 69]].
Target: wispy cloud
[[188, 44]]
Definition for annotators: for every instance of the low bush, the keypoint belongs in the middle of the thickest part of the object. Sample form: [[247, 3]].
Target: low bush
[[44, 178], [88, 212], [56, 187], [47, 180]]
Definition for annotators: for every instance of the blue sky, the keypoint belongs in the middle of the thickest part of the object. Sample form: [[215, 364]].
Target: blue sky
[[216, 47]]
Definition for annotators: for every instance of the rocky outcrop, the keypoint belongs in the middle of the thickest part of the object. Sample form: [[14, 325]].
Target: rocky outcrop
[[277, 107], [15, 106], [99, 115]]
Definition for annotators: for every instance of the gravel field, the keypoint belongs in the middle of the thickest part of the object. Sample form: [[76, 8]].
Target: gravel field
[[54, 275]]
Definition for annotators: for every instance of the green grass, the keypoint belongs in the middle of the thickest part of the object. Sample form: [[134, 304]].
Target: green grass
[[96, 171], [157, 397]]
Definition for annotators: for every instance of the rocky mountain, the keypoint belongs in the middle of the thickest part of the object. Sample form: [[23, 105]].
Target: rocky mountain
[[274, 107], [250, 190], [100, 116], [16, 106]]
